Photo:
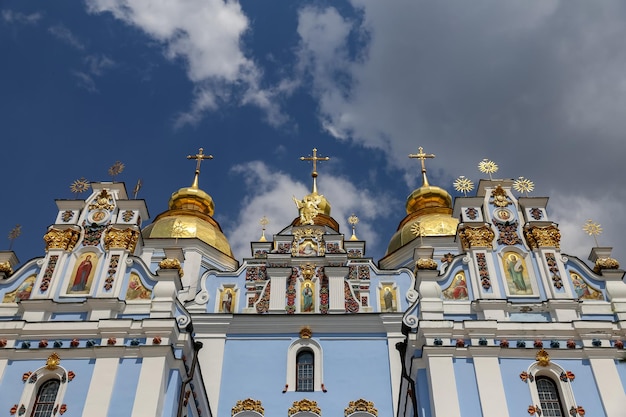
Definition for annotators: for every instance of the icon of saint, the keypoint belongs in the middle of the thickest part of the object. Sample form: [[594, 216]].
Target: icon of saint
[[82, 274]]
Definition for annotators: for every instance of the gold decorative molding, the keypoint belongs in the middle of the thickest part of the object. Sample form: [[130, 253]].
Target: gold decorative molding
[[121, 239], [169, 263], [305, 332], [316, 235], [426, 263], [605, 263], [543, 236], [308, 207], [304, 405], [247, 405], [543, 358], [499, 198], [308, 270], [53, 361], [61, 239], [6, 268], [472, 237], [360, 405], [104, 201]]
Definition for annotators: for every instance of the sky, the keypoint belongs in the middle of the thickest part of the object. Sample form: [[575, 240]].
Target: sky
[[537, 87]]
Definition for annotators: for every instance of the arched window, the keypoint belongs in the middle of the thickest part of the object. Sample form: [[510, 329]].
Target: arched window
[[549, 398], [305, 370], [46, 397]]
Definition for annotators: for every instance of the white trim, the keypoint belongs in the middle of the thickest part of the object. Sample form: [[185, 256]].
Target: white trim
[[609, 386], [292, 353], [552, 371], [43, 375], [490, 387], [101, 387]]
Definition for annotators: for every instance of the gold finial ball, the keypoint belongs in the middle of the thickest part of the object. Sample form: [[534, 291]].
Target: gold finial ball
[[592, 229], [264, 221], [353, 220], [488, 167], [523, 185], [463, 184]]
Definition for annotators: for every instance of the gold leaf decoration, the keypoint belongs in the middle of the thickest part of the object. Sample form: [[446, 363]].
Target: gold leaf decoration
[[360, 405], [304, 405], [247, 405], [463, 185]]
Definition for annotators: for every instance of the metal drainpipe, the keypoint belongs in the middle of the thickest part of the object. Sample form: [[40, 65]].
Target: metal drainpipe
[[181, 396], [401, 347]]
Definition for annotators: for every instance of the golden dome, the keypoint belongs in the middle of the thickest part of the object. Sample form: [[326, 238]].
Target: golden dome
[[190, 216], [429, 213]]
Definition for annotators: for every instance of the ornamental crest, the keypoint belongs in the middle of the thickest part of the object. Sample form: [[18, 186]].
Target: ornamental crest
[[508, 233], [476, 236], [308, 207], [499, 198], [104, 201], [304, 405], [543, 358], [360, 405], [61, 239], [308, 242], [121, 239], [53, 361], [542, 236], [247, 405]]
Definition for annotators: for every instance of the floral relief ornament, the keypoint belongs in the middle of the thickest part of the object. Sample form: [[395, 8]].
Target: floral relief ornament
[[360, 405], [304, 405], [247, 405]]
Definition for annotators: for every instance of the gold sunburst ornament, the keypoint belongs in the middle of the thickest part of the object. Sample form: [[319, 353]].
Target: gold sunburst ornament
[[463, 185], [353, 220], [79, 186], [593, 229], [523, 185], [263, 222], [116, 169], [488, 167], [14, 234]]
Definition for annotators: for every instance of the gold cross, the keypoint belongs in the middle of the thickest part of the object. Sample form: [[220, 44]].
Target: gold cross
[[422, 156], [314, 159], [199, 157]]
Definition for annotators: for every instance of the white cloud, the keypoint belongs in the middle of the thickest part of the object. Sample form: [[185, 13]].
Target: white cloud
[[269, 193], [206, 35], [11, 16], [64, 34], [97, 64], [85, 81]]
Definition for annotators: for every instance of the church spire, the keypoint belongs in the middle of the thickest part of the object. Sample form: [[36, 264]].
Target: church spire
[[199, 157], [314, 159], [422, 156]]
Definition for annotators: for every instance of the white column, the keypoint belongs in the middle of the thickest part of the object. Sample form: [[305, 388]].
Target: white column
[[490, 386], [609, 386], [150, 387], [336, 278], [101, 387], [211, 357], [278, 276], [3, 365], [443, 392]]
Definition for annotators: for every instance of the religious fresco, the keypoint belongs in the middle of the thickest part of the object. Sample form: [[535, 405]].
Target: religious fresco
[[457, 289], [227, 300], [22, 292], [307, 295], [136, 290], [388, 301], [83, 273], [583, 290], [307, 248], [516, 274]]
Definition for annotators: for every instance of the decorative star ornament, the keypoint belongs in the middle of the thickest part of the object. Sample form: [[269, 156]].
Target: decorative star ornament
[[463, 184], [116, 169], [488, 167], [79, 186], [353, 220], [593, 229], [14, 234], [263, 222], [523, 185]]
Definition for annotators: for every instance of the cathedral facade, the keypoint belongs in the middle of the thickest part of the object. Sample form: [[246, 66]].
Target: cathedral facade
[[473, 311]]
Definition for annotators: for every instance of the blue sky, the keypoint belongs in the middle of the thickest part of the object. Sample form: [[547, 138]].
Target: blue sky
[[539, 88]]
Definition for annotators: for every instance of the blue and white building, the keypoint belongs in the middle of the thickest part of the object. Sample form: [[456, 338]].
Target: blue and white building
[[473, 311]]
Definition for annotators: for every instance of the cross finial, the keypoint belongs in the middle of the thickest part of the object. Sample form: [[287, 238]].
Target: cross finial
[[422, 156], [199, 157], [314, 159]]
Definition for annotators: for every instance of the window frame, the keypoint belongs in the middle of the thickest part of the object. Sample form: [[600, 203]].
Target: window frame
[[552, 372], [301, 345], [43, 375], [39, 402]]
